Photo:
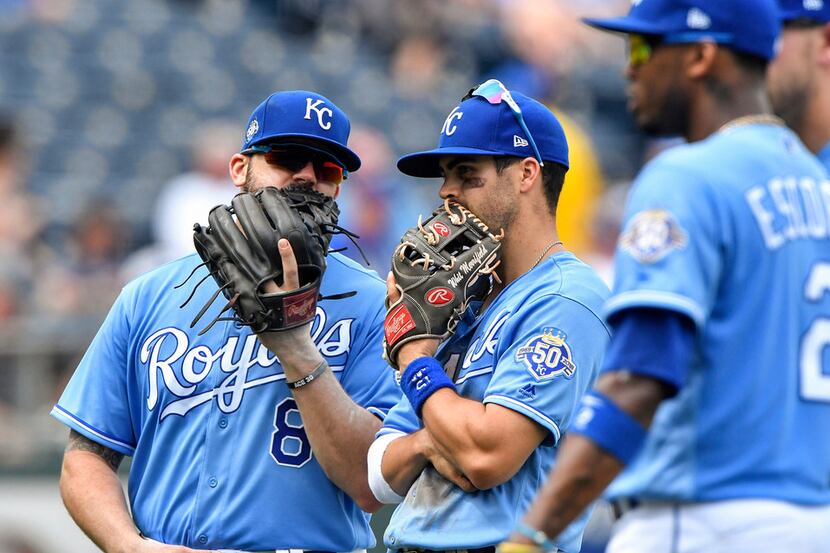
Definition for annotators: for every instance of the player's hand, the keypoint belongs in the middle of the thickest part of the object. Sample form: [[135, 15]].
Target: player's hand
[[291, 276], [286, 340], [518, 544], [425, 347], [444, 466]]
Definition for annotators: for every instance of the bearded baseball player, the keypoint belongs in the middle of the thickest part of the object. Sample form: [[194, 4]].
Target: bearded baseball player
[[488, 395], [799, 76], [239, 441], [715, 391]]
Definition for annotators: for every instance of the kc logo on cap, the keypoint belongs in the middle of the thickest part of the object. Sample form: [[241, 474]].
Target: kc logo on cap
[[314, 105], [302, 118]]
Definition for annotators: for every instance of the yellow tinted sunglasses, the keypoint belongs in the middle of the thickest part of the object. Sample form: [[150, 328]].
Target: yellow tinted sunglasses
[[640, 49]]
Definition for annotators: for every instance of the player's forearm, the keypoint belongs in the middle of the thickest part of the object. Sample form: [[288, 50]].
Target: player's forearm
[[340, 433], [582, 472], [403, 461], [93, 495], [463, 434]]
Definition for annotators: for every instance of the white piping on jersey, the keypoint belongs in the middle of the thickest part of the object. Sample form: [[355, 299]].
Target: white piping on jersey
[[182, 406], [499, 398], [473, 374], [61, 413], [650, 298]]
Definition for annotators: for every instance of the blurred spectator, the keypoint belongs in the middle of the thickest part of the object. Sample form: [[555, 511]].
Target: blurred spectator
[[417, 66], [85, 278], [379, 204], [188, 198], [20, 224]]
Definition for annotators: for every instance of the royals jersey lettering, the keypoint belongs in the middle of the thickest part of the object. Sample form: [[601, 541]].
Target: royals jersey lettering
[[734, 232], [536, 350], [220, 456]]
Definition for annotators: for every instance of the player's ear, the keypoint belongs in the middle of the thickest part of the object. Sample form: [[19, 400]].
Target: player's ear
[[700, 59], [824, 47], [238, 169], [531, 171]]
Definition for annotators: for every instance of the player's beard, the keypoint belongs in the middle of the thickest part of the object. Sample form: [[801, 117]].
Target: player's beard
[[502, 206], [672, 118], [252, 183], [790, 101]]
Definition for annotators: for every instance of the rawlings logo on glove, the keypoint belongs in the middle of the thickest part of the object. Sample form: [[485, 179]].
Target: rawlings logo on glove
[[439, 267]]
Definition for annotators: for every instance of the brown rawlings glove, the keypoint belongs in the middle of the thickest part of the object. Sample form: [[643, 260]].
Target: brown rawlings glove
[[440, 266], [241, 255]]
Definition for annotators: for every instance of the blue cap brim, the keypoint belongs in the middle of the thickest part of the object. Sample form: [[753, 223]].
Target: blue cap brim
[[425, 164], [627, 25], [342, 155]]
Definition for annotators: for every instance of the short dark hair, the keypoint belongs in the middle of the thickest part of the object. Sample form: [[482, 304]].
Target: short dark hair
[[553, 177], [754, 69]]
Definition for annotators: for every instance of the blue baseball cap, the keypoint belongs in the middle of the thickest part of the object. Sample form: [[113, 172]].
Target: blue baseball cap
[[305, 115], [816, 10], [478, 127], [749, 26]]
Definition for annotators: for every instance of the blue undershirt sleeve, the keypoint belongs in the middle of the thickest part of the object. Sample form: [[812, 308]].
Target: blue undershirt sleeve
[[657, 343]]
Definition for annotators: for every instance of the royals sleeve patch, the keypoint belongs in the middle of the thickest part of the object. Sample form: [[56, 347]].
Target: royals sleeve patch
[[547, 355], [651, 235]]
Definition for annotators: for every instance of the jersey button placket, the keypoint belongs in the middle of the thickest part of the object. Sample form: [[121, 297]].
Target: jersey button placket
[[223, 423], [213, 482], [203, 539]]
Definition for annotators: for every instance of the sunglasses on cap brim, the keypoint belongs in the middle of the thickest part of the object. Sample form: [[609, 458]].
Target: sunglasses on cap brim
[[495, 93]]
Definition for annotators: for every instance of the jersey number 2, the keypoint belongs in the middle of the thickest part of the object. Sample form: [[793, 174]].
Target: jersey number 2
[[815, 382], [289, 443]]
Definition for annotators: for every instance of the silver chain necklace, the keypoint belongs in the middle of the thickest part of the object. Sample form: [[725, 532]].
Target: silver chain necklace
[[756, 119], [544, 253]]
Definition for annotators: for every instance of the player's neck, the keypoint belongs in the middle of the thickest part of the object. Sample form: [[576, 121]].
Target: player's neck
[[525, 251], [709, 113], [815, 128]]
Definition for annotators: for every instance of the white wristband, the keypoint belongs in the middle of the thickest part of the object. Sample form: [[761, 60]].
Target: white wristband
[[380, 487]]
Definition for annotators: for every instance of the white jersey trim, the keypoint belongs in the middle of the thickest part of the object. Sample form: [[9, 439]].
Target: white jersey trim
[[649, 298], [473, 374], [380, 413], [71, 420], [511, 403]]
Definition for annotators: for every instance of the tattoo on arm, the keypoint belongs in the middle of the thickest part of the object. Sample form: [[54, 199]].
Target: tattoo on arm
[[82, 443]]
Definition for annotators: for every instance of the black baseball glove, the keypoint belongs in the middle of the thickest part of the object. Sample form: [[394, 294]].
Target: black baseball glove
[[440, 266], [239, 248]]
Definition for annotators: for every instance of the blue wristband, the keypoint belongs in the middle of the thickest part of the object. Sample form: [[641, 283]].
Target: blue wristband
[[609, 427], [536, 536], [423, 377]]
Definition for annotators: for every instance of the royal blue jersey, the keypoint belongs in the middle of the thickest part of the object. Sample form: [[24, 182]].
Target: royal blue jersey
[[536, 349], [220, 456], [734, 233], [824, 156]]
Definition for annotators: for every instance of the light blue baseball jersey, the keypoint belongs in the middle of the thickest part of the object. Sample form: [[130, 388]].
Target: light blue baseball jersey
[[734, 232], [220, 456], [536, 349]]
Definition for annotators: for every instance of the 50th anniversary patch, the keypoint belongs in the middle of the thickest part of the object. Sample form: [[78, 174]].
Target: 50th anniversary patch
[[547, 355]]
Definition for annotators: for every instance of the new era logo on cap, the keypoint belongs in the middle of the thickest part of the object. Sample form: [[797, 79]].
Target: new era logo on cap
[[519, 142], [811, 10], [698, 19]]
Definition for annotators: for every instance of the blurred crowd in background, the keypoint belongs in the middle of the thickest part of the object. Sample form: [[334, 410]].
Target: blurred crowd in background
[[117, 120]]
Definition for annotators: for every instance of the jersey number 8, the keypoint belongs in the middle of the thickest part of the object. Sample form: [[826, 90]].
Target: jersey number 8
[[289, 443]]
